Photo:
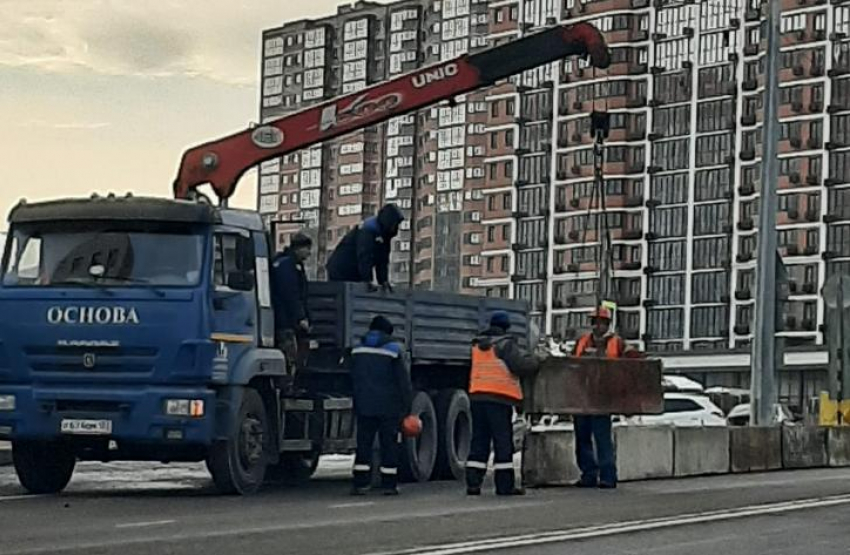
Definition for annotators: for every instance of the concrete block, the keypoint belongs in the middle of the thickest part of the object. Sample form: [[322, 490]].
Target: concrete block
[[755, 449], [549, 459], [700, 451], [804, 447], [644, 452], [838, 446], [5, 453]]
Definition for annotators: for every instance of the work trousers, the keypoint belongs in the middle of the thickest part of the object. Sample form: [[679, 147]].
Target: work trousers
[[387, 430], [491, 423], [597, 464]]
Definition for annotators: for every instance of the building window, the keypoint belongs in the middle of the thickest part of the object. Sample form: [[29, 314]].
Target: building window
[[712, 184], [670, 188], [711, 253], [671, 155], [713, 150], [671, 122], [669, 222], [716, 115]]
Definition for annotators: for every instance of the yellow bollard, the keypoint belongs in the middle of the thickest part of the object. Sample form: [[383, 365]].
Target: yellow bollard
[[830, 409]]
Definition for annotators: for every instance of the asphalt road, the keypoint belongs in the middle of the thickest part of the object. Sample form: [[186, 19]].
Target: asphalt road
[[147, 509]]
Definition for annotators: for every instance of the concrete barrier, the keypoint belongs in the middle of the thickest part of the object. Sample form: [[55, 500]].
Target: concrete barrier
[[754, 449], [644, 452], [838, 446], [700, 451], [804, 447], [5, 453], [549, 459]]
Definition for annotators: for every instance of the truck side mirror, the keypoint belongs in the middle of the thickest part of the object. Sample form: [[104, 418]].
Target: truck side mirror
[[241, 280]]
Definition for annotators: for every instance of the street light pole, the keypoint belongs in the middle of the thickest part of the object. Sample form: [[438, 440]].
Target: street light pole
[[763, 382]]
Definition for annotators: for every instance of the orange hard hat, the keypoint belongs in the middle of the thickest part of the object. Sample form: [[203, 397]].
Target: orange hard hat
[[602, 313], [411, 426]]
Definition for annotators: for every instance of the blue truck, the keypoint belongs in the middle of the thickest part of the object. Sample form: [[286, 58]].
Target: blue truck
[[142, 329]]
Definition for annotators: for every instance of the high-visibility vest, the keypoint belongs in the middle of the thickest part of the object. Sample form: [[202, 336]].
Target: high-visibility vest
[[491, 376], [613, 346]]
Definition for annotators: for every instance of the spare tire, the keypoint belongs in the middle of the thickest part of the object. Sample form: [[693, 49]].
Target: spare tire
[[419, 454], [454, 420]]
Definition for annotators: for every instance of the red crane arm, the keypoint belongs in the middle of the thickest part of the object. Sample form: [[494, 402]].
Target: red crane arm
[[223, 161]]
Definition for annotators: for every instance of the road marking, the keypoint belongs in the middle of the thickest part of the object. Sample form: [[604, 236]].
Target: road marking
[[350, 505], [145, 524], [560, 536], [19, 497], [311, 524]]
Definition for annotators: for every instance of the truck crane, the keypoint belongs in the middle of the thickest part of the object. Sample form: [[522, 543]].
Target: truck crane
[[144, 327]]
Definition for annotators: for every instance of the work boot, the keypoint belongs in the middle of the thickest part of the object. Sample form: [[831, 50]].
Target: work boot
[[607, 485], [585, 484], [472, 490], [389, 491]]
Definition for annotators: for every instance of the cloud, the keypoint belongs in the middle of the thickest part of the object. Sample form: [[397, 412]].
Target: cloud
[[212, 39], [159, 39], [67, 125]]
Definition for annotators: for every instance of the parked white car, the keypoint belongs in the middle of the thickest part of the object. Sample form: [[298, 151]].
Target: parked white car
[[682, 409], [740, 415], [681, 384]]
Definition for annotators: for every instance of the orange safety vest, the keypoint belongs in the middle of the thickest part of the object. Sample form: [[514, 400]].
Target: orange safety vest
[[491, 376], [613, 346]]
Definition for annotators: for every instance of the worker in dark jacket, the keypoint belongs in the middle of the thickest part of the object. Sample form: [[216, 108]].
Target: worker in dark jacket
[[495, 389], [382, 398], [363, 255], [289, 298]]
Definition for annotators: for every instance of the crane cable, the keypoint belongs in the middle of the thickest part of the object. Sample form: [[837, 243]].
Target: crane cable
[[599, 125]]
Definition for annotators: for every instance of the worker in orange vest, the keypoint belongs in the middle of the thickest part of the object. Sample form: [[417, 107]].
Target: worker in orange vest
[[498, 364], [598, 466]]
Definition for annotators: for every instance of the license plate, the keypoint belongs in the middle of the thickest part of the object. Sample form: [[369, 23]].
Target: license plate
[[87, 427]]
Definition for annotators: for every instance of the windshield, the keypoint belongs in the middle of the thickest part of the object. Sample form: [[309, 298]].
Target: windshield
[[108, 255]]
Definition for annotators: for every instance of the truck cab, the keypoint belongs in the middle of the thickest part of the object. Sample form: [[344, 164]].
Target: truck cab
[[132, 329]]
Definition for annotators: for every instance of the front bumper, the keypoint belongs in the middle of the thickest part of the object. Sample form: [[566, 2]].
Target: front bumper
[[137, 414]]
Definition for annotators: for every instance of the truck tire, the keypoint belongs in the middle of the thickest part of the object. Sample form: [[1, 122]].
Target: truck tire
[[238, 464], [419, 454], [294, 468], [43, 466], [454, 421]]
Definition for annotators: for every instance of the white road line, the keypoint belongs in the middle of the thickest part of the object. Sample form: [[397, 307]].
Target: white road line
[[170, 535], [350, 505], [560, 536], [19, 497], [145, 524]]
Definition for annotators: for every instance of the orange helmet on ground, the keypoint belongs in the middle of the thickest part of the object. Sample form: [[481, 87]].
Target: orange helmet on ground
[[601, 313], [411, 426]]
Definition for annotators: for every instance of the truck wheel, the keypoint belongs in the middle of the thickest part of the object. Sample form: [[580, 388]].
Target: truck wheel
[[294, 468], [43, 466], [419, 454], [454, 419], [238, 465]]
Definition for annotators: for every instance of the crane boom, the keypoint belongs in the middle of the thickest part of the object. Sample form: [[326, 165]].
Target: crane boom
[[223, 161]]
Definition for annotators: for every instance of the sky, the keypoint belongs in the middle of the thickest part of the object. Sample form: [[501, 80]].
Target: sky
[[105, 95]]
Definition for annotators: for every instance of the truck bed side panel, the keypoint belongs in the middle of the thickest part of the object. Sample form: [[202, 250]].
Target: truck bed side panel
[[437, 327]]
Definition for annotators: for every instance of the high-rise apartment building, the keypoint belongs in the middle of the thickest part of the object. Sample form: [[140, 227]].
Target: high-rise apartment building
[[330, 188], [504, 178]]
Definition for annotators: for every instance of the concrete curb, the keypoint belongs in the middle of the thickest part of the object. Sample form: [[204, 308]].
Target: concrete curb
[[5, 453]]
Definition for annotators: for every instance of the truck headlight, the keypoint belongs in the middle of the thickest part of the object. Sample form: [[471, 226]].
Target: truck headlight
[[7, 402], [184, 407]]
